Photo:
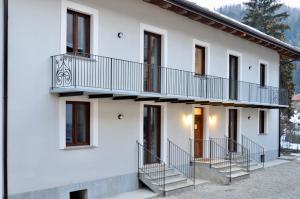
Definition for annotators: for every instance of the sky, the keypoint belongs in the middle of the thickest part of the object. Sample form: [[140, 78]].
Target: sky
[[211, 4]]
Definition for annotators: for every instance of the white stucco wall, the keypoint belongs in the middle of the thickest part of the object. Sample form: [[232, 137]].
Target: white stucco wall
[[35, 160]]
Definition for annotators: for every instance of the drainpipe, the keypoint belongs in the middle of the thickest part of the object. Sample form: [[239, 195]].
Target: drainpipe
[[5, 92]]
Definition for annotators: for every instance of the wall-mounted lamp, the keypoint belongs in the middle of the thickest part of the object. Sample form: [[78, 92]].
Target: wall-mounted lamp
[[120, 34], [212, 120], [187, 119], [249, 117], [120, 116], [250, 67]]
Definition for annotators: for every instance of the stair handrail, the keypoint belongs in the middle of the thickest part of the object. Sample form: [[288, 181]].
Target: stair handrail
[[181, 160], [245, 152], [257, 151], [161, 180], [219, 153]]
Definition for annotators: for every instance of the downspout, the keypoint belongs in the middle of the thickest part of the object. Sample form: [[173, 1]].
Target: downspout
[[5, 92]]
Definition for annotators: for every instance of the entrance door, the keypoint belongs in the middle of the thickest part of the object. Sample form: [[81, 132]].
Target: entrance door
[[198, 132], [152, 134], [152, 62], [233, 77], [232, 130]]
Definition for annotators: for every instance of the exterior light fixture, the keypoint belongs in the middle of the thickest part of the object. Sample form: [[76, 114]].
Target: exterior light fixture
[[212, 120], [120, 116], [120, 34], [250, 67], [187, 120], [249, 117]]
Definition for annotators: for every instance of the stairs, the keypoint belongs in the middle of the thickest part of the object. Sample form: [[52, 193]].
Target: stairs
[[233, 172], [163, 178], [152, 175]]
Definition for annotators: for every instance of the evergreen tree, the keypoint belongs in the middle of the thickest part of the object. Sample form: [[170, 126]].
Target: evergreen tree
[[264, 15]]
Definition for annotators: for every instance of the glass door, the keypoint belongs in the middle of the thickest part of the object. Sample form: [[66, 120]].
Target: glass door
[[232, 130], [152, 62], [233, 77], [152, 134]]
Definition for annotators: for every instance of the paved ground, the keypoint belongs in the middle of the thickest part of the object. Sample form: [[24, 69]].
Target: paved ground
[[281, 181]]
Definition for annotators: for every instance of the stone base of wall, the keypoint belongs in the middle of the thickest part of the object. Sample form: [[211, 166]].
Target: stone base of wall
[[271, 155], [95, 189]]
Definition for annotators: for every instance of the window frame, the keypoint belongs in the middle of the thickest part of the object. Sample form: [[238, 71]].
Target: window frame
[[262, 124], [203, 66], [262, 74], [87, 18], [74, 132]]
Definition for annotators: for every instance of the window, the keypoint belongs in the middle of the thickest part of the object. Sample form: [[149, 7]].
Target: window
[[262, 75], [200, 60], [262, 126], [78, 33], [77, 123], [82, 194]]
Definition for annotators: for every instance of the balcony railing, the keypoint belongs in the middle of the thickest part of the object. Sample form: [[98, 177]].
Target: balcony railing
[[117, 75]]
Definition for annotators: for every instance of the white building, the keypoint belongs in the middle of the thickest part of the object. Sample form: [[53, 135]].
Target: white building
[[89, 79]]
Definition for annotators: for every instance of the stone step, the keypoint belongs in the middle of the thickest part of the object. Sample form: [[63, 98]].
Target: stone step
[[238, 175], [155, 170], [222, 166], [172, 181], [256, 167], [180, 187], [233, 170], [251, 164], [169, 174], [153, 165]]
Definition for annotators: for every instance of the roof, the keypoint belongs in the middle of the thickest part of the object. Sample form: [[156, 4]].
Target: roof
[[227, 24], [296, 97]]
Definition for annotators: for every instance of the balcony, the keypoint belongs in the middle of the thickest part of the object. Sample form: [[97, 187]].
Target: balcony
[[95, 74]]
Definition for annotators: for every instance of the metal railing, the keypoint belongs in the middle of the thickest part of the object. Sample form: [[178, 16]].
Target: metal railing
[[225, 151], [110, 74], [257, 152], [155, 171], [239, 153], [213, 154], [181, 161]]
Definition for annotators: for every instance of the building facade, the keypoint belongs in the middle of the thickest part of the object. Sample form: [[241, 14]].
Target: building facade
[[89, 79]]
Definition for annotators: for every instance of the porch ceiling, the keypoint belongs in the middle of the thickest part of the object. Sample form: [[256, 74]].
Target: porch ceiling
[[173, 100]]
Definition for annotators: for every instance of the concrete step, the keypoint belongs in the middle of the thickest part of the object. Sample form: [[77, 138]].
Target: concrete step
[[256, 167], [172, 181], [238, 175], [222, 166], [234, 169], [169, 174], [155, 170], [180, 187], [251, 164]]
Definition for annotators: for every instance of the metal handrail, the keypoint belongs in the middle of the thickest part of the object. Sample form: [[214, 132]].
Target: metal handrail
[[156, 172], [181, 160], [94, 71], [219, 153], [239, 152], [257, 152], [213, 154]]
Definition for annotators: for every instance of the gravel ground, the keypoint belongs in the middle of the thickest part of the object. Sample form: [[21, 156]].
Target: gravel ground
[[281, 181]]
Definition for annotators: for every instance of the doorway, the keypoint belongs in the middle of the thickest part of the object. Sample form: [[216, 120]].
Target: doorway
[[152, 62], [152, 134], [232, 130], [198, 132], [233, 77]]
